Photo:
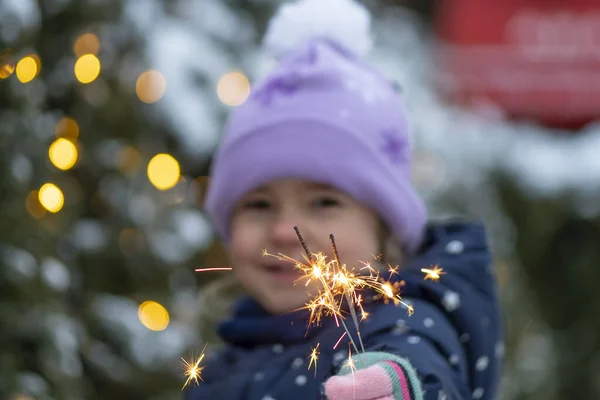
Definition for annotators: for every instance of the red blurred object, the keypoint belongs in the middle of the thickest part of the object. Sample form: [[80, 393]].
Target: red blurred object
[[534, 59]]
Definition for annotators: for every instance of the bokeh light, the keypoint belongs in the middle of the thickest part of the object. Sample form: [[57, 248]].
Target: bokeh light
[[163, 171], [38, 62], [87, 68], [502, 270], [150, 86], [33, 205], [6, 69], [128, 240], [179, 192], [233, 88], [153, 316], [67, 128], [88, 43], [51, 197], [27, 69], [128, 160], [20, 396], [63, 154], [428, 170], [7, 65], [202, 183]]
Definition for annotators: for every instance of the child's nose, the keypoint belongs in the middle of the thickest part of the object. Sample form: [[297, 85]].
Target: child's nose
[[282, 230]]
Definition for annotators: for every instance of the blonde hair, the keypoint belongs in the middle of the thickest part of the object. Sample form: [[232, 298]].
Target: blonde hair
[[389, 247], [215, 303]]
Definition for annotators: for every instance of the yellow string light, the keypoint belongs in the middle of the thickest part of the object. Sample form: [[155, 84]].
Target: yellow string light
[[88, 43], [153, 316], [7, 66], [33, 205], [67, 128], [63, 154], [87, 68], [27, 69], [233, 88], [163, 171], [150, 86], [51, 197], [128, 160]]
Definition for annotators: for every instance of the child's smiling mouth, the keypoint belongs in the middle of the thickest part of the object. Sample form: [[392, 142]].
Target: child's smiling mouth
[[283, 273]]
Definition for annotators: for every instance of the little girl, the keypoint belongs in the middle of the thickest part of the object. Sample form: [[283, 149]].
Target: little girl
[[323, 144]]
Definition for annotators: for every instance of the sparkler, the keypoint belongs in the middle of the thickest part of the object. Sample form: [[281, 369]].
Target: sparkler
[[336, 283], [346, 294]]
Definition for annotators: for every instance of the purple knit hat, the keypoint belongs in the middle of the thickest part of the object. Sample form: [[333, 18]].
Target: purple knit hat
[[324, 115]]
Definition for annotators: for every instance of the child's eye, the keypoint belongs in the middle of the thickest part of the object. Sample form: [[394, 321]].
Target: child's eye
[[326, 202], [256, 204]]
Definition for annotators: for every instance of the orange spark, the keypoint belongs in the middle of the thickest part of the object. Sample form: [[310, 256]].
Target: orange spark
[[193, 370], [350, 362], [434, 273], [339, 340], [314, 357], [393, 270], [212, 269]]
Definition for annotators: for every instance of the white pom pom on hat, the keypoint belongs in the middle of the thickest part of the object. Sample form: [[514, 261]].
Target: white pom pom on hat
[[345, 22]]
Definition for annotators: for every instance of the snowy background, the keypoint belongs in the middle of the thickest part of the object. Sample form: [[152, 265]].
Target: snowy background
[[73, 281]]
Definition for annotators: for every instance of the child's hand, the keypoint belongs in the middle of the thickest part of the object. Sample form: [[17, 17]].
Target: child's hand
[[365, 384], [380, 376]]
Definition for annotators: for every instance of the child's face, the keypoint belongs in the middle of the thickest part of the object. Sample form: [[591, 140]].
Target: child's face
[[265, 219]]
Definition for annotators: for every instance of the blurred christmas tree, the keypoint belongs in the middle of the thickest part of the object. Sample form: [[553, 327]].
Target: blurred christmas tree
[[101, 183]]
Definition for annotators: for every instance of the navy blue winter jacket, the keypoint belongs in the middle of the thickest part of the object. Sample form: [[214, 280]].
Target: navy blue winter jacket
[[453, 339]]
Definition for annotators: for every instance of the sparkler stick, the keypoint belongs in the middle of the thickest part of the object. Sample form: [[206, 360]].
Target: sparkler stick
[[350, 336], [347, 295], [326, 287], [303, 243], [329, 305]]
